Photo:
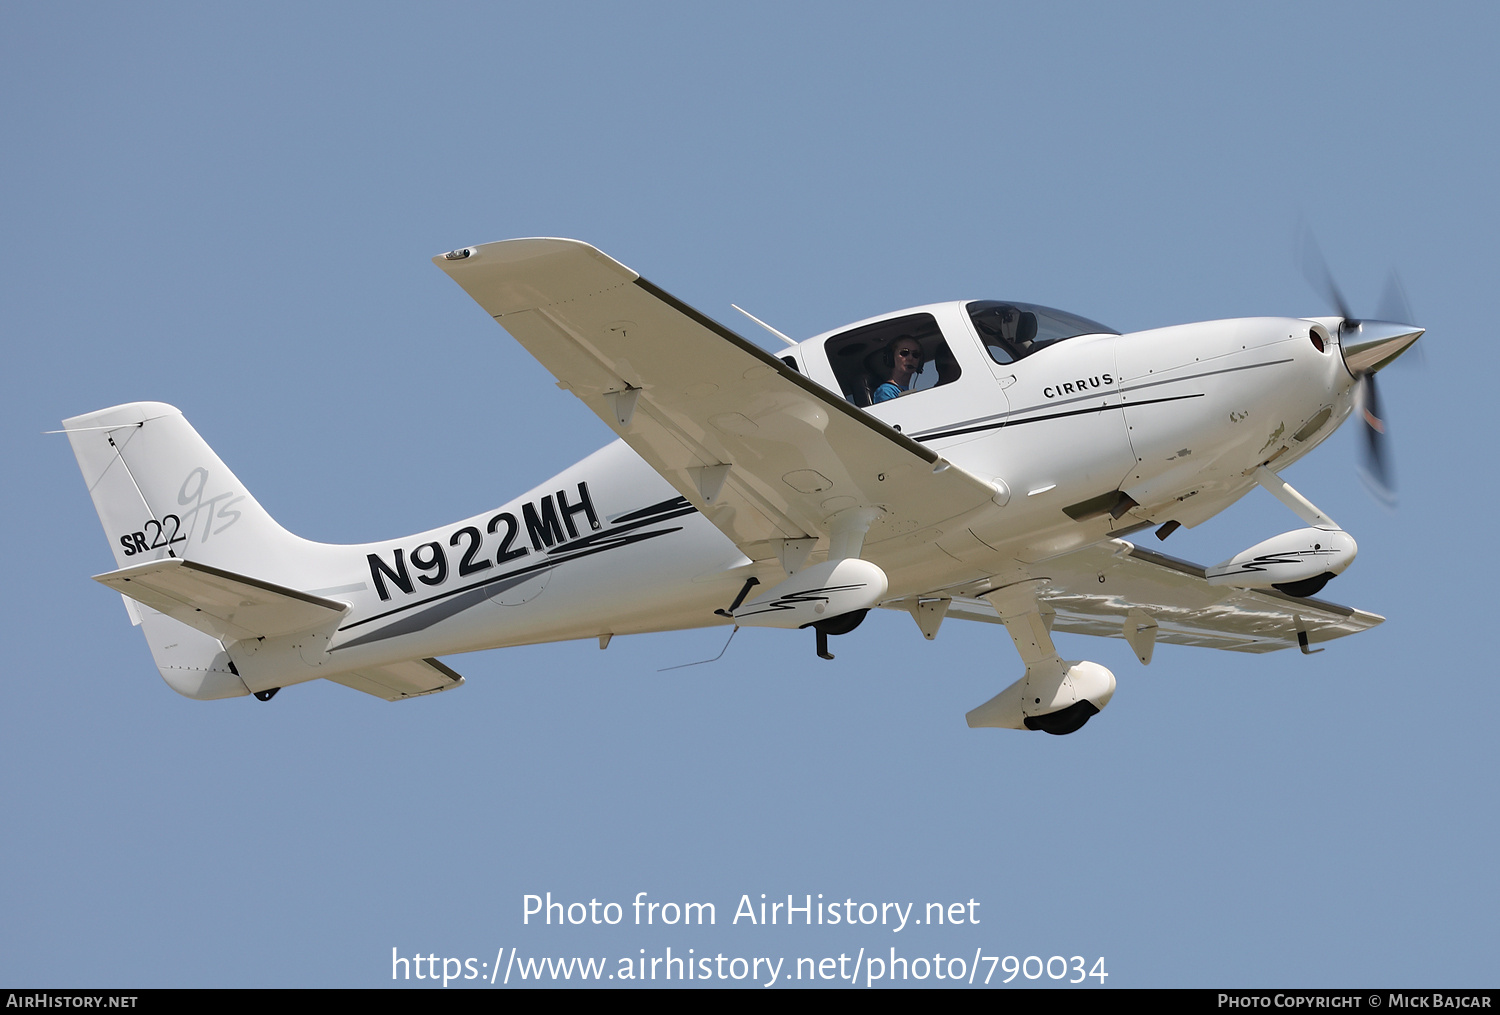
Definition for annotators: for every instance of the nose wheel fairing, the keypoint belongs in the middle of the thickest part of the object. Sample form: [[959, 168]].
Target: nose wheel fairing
[[1054, 695], [1061, 723]]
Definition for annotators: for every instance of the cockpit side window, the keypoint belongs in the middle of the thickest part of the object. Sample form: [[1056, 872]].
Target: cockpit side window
[[864, 359], [1013, 331]]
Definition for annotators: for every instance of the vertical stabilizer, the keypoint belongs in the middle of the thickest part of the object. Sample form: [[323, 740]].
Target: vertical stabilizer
[[161, 493]]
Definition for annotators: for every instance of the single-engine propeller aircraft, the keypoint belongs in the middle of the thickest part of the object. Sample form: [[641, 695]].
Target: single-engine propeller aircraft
[[978, 459]]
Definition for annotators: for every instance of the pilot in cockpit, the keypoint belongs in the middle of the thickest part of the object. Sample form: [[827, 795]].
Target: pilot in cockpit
[[901, 361], [1015, 328], [1020, 327]]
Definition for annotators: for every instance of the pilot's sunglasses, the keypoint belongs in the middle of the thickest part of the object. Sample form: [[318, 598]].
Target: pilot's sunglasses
[[913, 353]]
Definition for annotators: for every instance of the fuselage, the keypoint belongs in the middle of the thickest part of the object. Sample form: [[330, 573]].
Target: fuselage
[[1085, 438]]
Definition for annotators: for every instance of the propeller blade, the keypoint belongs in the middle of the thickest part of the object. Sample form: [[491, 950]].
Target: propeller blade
[[1366, 345], [1315, 268], [1394, 306], [1375, 467]]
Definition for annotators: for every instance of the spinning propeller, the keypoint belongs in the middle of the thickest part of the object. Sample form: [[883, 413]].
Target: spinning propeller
[[1367, 346]]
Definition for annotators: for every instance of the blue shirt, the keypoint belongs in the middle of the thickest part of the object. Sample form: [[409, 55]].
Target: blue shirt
[[886, 392]]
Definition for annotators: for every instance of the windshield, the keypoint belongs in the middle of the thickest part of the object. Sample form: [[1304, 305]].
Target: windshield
[[1013, 331]]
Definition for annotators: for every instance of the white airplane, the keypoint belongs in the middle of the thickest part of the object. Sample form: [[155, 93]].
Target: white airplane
[[782, 491]]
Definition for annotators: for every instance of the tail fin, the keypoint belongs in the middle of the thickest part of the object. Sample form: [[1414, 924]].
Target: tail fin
[[161, 492], [193, 664], [208, 575]]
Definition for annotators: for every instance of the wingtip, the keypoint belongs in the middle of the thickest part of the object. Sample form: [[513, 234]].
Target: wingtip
[[521, 249]]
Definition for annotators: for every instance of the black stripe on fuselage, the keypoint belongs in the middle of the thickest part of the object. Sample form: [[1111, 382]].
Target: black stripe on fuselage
[[655, 509], [1006, 418], [936, 434]]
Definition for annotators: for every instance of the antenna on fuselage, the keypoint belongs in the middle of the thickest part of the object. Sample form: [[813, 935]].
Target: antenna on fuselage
[[700, 662], [763, 324]]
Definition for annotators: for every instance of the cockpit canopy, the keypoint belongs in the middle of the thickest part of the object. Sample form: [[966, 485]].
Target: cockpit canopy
[[1013, 331], [862, 357]]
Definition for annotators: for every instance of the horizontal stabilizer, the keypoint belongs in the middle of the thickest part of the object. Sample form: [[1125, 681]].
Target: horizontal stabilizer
[[394, 681], [228, 606]]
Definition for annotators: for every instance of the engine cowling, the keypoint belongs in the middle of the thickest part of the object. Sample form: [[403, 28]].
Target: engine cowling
[[1055, 697]]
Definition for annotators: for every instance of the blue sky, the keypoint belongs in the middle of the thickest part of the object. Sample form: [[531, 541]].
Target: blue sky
[[232, 210]]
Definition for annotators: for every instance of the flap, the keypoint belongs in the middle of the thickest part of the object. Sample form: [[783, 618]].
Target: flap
[[1176, 595]]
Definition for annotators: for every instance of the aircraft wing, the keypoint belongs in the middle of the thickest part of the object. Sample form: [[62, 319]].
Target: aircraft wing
[[765, 453], [1100, 588]]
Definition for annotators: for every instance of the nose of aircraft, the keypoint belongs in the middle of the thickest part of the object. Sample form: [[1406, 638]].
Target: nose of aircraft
[[1369, 345]]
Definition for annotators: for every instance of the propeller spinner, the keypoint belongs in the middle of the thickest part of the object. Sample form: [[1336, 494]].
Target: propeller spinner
[[1367, 346]]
